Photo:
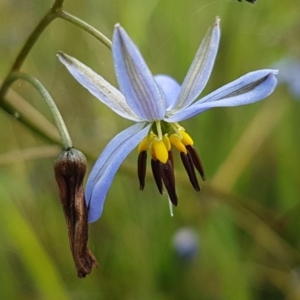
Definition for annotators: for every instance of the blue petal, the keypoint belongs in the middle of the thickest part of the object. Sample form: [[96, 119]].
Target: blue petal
[[169, 87], [98, 86], [106, 166], [201, 68], [135, 79], [247, 89]]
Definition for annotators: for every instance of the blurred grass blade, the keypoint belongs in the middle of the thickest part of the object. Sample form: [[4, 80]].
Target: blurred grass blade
[[249, 143], [37, 261], [33, 153], [24, 112]]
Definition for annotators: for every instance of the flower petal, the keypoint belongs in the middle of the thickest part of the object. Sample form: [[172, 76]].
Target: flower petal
[[98, 86], [247, 89], [135, 79], [201, 68], [106, 166], [169, 87]]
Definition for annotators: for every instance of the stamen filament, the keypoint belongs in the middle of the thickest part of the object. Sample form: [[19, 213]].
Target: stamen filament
[[159, 131], [176, 129]]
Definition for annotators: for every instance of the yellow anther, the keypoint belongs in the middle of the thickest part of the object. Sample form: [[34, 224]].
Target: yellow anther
[[167, 142], [177, 143], [153, 155], [160, 150], [186, 139], [145, 143], [143, 146]]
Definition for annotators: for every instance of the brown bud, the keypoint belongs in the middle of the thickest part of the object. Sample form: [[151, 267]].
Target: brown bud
[[70, 168]]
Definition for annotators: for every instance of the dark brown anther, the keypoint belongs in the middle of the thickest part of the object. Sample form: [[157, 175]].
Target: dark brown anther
[[157, 174], [70, 168], [189, 167], [167, 174], [142, 164], [196, 160], [170, 158]]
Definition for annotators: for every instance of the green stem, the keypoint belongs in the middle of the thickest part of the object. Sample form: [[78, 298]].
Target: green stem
[[38, 30], [58, 4], [54, 12], [60, 124], [86, 27]]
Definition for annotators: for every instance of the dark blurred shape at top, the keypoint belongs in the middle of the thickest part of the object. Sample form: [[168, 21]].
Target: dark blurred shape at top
[[251, 1]]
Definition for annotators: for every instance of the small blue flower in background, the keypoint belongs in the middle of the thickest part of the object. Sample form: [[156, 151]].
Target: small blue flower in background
[[290, 74], [186, 243], [157, 104]]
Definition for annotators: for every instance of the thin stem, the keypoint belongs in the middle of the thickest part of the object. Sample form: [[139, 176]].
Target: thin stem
[[54, 12], [58, 4], [60, 124], [38, 30], [86, 27]]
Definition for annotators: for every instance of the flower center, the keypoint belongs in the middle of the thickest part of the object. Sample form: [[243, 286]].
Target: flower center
[[159, 142]]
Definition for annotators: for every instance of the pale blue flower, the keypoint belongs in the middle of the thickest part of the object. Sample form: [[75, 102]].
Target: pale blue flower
[[290, 74], [186, 243], [156, 104]]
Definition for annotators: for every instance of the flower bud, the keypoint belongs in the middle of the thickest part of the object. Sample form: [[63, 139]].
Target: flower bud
[[70, 168]]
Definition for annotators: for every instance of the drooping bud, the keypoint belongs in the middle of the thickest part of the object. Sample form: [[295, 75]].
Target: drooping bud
[[70, 168]]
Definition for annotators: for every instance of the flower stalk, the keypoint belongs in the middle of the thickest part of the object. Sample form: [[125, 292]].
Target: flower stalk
[[56, 11], [60, 124]]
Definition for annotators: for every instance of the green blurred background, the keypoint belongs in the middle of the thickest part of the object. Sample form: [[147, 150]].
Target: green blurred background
[[246, 217]]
